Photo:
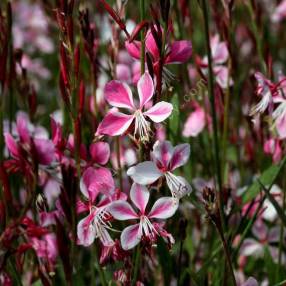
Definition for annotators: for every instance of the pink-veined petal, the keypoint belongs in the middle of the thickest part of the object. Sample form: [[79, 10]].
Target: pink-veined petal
[[86, 231], [180, 156], [22, 127], [139, 196], [164, 208], [100, 152], [180, 52], [45, 150], [145, 88], [144, 173], [122, 210], [219, 50], [162, 153], [114, 123], [160, 111], [11, 145], [152, 46], [130, 237], [195, 123], [118, 94], [86, 180], [133, 49]]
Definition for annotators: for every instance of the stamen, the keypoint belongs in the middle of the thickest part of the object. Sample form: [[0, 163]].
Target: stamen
[[142, 126]]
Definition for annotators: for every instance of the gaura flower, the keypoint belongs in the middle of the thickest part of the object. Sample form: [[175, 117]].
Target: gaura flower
[[93, 183], [177, 52], [220, 56], [166, 159], [279, 13], [163, 208], [119, 95]]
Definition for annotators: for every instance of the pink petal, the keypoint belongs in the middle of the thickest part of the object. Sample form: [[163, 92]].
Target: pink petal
[[145, 88], [152, 46], [160, 111], [281, 127], [181, 155], [123, 72], [94, 181], [22, 127], [139, 196], [162, 153], [85, 230], [100, 152], [219, 51], [130, 237], [118, 94], [114, 123], [180, 52], [133, 49], [250, 282], [144, 173], [221, 74], [195, 123], [164, 208], [122, 210], [45, 151], [11, 145]]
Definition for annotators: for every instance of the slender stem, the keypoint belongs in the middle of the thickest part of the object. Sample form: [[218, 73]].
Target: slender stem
[[142, 17], [227, 254], [212, 100], [257, 36], [99, 268], [136, 265], [118, 147], [225, 121], [180, 261]]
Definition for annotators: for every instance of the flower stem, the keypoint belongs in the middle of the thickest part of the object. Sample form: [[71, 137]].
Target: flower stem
[[212, 100], [142, 16], [136, 265], [99, 269]]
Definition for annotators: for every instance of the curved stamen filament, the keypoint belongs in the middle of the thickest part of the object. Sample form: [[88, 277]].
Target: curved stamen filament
[[142, 126]]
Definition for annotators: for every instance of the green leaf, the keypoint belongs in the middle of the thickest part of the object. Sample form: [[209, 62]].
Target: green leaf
[[268, 178]]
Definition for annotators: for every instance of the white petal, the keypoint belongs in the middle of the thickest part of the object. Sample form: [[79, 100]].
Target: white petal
[[130, 237], [140, 196], [164, 208], [144, 173]]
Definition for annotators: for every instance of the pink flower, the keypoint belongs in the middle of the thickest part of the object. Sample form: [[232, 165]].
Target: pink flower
[[119, 95], [273, 147], [163, 208], [195, 123], [177, 52], [219, 58], [166, 159], [280, 12], [93, 183]]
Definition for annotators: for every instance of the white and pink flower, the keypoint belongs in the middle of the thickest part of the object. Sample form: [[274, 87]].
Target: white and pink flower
[[166, 159], [119, 95], [163, 208]]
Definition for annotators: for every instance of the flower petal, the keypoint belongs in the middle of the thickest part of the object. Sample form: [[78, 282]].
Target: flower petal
[[152, 46], [114, 123], [118, 94], [130, 237], [180, 52], [85, 231], [164, 208], [144, 173], [133, 49], [139, 196], [178, 185], [45, 151], [100, 152], [11, 145], [162, 153], [122, 210], [195, 123], [145, 88], [160, 111], [180, 156]]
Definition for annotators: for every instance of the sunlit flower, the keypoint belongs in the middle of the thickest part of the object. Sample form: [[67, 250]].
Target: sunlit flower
[[166, 159], [163, 208], [119, 95]]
